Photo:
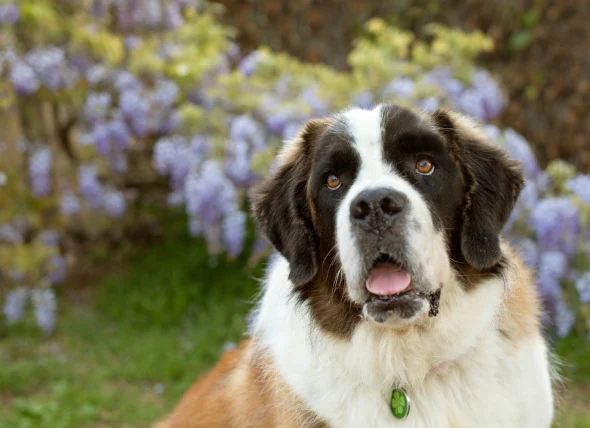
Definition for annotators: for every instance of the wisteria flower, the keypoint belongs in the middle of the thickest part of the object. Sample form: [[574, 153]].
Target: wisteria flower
[[364, 100], [583, 287], [39, 171], [70, 204], [580, 186], [45, 305], [24, 79], [234, 231], [556, 224], [9, 13], [520, 150], [401, 86], [250, 63], [15, 303]]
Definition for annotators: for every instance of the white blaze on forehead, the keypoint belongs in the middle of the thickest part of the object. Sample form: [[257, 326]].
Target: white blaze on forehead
[[365, 129]]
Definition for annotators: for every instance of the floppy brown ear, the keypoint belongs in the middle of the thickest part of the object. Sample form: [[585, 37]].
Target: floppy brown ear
[[281, 207], [493, 182]]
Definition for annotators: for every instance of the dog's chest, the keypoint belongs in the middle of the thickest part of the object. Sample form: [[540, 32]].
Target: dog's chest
[[451, 399], [483, 390]]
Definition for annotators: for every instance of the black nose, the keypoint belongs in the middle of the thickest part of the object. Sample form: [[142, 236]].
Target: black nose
[[377, 204]]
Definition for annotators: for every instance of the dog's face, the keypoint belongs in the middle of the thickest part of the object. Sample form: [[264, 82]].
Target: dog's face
[[378, 211]]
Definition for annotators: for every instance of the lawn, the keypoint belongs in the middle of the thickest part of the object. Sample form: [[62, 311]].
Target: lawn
[[129, 345]]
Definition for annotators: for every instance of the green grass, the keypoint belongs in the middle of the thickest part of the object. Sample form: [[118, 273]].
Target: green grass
[[127, 348]]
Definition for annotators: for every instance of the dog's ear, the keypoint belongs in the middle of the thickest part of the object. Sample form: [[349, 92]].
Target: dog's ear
[[280, 204], [493, 182]]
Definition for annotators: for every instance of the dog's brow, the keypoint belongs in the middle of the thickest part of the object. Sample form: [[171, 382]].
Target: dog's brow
[[420, 141]]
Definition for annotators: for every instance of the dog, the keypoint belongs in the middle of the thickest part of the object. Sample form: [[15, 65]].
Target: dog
[[392, 299]]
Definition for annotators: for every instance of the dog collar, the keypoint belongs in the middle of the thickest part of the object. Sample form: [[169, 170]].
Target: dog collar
[[400, 403]]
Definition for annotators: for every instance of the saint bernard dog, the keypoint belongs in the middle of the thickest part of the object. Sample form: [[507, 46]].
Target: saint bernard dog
[[392, 299]]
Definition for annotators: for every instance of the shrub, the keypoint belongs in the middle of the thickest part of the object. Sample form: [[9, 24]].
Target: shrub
[[116, 109]]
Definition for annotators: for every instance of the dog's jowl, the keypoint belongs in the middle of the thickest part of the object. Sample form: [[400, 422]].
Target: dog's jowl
[[392, 299]]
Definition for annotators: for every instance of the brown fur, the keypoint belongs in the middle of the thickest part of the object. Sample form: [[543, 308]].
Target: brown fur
[[522, 309], [241, 391]]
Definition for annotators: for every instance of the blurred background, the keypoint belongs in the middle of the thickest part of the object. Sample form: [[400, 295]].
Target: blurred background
[[132, 131]]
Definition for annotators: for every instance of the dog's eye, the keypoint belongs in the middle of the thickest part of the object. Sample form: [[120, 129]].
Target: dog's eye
[[333, 182], [424, 166]]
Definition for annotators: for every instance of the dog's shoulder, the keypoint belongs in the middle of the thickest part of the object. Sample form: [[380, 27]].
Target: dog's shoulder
[[201, 404], [242, 390]]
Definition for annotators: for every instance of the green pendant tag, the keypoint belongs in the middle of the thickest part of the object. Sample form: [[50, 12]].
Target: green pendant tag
[[400, 403]]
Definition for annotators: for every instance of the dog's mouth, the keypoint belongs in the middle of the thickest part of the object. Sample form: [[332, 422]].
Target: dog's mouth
[[390, 288], [388, 279]]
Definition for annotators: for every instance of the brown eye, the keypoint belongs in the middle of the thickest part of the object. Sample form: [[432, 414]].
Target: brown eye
[[333, 182], [424, 167]]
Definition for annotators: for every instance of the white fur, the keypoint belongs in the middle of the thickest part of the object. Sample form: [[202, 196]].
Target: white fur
[[348, 382]]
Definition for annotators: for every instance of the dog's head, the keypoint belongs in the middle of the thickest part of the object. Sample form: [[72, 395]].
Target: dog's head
[[378, 210]]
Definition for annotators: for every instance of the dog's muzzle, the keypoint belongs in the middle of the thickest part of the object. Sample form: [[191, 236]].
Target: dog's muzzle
[[392, 282]]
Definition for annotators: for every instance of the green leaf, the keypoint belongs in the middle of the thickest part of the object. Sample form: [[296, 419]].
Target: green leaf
[[520, 41], [530, 18]]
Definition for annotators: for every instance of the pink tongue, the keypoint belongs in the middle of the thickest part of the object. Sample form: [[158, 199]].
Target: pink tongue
[[386, 280]]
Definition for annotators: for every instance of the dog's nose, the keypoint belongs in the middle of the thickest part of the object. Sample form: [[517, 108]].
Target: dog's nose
[[382, 203]]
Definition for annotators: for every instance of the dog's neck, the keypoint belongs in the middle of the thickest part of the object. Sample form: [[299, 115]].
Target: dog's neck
[[375, 354]]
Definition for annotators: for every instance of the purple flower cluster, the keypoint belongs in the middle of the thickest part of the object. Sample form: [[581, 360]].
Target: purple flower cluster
[[583, 287], [481, 99], [50, 271], [97, 106], [209, 194], [10, 234], [70, 204], [114, 203], [23, 78], [48, 65], [520, 150], [134, 111], [280, 119], [45, 305], [95, 194], [556, 223], [234, 230], [9, 13], [15, 303], [211, 203], [53, 269], [246, 137], [146, 15], [364, 100], [40, 171], [250, 63], [580, 186], [45, 67], [89, 186], [177, 157], [400, 87], [558, 227]]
